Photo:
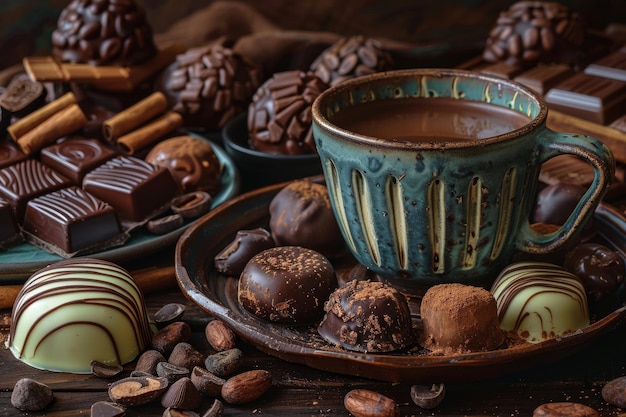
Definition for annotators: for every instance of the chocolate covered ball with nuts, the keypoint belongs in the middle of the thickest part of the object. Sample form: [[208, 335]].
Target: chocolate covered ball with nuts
[[103, 32], [351, 57], [279, 117], [535, 31], [209, 85]]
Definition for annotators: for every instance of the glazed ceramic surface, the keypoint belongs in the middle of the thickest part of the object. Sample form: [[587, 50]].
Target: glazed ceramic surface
[[422, 213]]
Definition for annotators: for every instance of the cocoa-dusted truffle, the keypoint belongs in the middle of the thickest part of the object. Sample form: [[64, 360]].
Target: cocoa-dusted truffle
[[287, 284], [209, 85], [459, 318], [301, 215], [192, 162], [351, 57], [279, 117], [103, 32], [367, 316], [530, 32]]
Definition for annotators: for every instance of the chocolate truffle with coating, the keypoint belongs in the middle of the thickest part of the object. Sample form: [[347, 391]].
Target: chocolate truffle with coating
[[233, 258], [459, 318], [600, 269], [301, 215], [367, 316], [287, 284], [192, 162]]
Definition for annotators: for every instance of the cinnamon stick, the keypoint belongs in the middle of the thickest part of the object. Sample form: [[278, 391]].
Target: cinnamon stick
[[149, 133], [66, 121], [134, 116], [34, 119], [148, 280]]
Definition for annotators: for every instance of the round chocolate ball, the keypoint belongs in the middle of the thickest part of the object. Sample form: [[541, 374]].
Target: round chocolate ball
[[103, 32], [192, 162], [279, 117], [530, 32], [555, 202], [600, 268], [287, 284], [367, 316], [351, 57], [301, 215], [209, 85]]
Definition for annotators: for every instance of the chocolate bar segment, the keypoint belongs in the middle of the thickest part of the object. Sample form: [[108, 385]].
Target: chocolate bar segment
[[76, 156], [597, 99], [10, 154], [9, 230], [135, 188], [611, 66], [71, 220], [26, 180], [543, 77]]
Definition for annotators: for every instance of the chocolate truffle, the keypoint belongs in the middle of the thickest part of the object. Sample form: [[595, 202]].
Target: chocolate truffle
[[76, 156], [209, 85], [367, 316], [71, 220], [540, 301], [287, 284], [191, 160], [233, 258], [301, 215], [530, 32], [103, 32], [76, 311], [279, 117], [459, 318], [137, 189], [351, 57], [555, 203], [600, 269]]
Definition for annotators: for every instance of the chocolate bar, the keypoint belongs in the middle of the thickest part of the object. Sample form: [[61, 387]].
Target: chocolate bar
[[137, 189], [71, 220]]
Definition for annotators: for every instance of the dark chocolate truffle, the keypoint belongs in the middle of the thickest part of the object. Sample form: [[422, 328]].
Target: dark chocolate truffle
[[247, 243], [600, 269], [367, 316], [555, 203], [103, 32], [351, 57], [279, 117], [301, 215], [209, 85], [287, 284], [530, 32], [191, 160], [459, 318]]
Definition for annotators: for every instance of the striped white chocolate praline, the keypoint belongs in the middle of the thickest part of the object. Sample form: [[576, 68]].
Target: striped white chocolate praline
[[540, 301], [76, 311]]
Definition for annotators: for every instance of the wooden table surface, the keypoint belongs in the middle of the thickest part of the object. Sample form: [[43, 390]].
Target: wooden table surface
[[300, 390]]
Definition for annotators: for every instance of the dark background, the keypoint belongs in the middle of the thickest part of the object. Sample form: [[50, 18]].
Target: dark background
[[26, 25]]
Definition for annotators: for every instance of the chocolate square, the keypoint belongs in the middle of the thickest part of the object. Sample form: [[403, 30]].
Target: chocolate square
[[611, 66], [10, 154], [137, 189], [543, 77], [76, 156], [26, 180], [10, 233], [71, 220]]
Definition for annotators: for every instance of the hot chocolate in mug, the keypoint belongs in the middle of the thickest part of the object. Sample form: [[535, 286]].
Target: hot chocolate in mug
[[433, 173]]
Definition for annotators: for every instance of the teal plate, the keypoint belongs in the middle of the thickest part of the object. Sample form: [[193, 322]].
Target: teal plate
[[19, 262]]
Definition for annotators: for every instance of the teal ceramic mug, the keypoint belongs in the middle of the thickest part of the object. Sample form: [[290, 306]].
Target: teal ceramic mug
[[433, 173]]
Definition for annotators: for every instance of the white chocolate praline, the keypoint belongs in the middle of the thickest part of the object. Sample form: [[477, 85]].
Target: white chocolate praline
[[76, 311], [540, 301]]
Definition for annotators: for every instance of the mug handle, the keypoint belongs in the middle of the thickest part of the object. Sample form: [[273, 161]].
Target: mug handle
[[600, 157]]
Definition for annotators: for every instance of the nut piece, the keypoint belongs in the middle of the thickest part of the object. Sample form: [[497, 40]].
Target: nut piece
[[216, 409], [171, 372], [246, 387], [31, 395], [148, 361], [564, 409], [428, 396], [103, 370], [206, 383], [186, 356], [182, 395], [135, 391], [165, 339], [173, 412], [220, 336], [614, 392], [107, 409], [224, 363], [168, 314], [366, 403]]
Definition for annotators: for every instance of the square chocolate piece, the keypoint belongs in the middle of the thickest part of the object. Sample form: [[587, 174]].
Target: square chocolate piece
[[543, 77], [71, 220], [10, 233], [76, 156], [597, 99], [10, 154], [137, 189], [21, 182], [611, 66]]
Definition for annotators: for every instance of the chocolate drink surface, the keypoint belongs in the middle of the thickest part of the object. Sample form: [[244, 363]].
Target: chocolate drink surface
[[429, 119]]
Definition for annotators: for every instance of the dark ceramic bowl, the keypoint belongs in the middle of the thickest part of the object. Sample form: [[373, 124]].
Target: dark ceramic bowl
[[261, 168]]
